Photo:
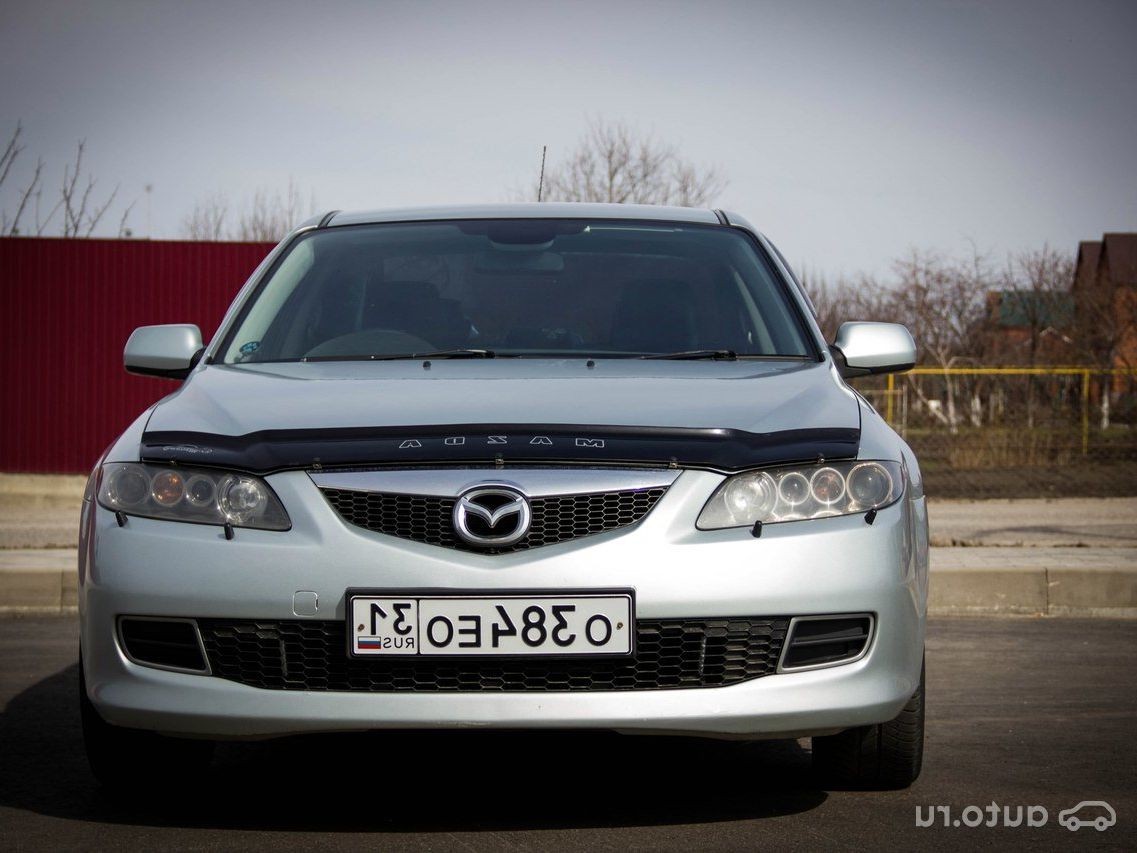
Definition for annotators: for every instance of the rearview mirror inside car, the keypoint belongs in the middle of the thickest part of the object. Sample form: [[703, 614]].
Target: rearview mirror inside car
[[517, 263]]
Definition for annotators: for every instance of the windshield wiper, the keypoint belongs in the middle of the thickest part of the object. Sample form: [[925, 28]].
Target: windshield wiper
[[693, 354], [455, 353], [443, 353]]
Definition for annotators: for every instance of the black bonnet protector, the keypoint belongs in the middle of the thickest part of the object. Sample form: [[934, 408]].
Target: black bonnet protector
[[453, 444]]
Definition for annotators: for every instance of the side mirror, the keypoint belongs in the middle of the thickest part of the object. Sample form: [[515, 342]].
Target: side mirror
[[168, 351], [864, 348]]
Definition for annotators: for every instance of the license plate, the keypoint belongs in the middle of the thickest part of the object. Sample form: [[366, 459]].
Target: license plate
[[512, 624]]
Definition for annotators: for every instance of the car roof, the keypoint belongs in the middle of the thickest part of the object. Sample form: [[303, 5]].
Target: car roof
[[530, 210]]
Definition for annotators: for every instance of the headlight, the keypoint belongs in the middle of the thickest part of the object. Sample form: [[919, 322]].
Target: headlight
[[793, 494], [195, 495]]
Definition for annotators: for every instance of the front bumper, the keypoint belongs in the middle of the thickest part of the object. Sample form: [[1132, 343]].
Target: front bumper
[[835, 565]]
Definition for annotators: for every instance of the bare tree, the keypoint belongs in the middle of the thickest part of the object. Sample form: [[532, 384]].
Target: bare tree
[[265, 218], [945, 304], [82, 208], [207, 219], [1037, 285], [270, 216], [1039, 282], [11, 152], [862, 297], [123, 231], [830, 300], [32, 190], [942, 301], [1105, 320], [10, 225], [611, 163]]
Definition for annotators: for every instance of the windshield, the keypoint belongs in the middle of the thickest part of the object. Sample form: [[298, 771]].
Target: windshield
[[538, 288]]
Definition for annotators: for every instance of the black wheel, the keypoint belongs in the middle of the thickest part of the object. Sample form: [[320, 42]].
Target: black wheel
[[886, 756], [128, 759]]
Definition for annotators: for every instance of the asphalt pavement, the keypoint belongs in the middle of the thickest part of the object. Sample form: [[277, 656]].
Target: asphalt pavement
[[1021, 712], [1092, 523]]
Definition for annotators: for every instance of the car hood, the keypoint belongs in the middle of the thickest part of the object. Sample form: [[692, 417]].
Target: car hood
[[716, 414]]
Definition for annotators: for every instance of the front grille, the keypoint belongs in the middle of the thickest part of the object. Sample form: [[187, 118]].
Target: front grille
[[555, 519], [671, 653]]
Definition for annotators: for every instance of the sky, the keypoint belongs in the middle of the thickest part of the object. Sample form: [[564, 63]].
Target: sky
[[849, 132]]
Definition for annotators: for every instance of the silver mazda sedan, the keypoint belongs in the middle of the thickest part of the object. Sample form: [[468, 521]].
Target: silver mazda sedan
[[541, 466]]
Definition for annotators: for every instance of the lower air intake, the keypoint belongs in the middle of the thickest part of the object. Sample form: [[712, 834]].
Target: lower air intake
[[817, 641], [671, 653], [165, 643]]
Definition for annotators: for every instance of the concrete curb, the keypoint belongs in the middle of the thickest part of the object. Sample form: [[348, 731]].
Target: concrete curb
[[39, 581], [1034, 592], [1050, 581], [42, 490], [39, 593], [1061, 582]]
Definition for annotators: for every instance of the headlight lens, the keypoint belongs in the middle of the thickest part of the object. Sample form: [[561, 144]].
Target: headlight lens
[[195, 495], [750, 495], [242, 498], [794, 494], [167, 488]]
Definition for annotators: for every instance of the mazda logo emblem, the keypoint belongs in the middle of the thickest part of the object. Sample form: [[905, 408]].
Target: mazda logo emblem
[[492, 516]]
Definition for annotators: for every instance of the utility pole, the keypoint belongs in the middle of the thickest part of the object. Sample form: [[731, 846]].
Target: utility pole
[[541, 180], [149, 189]]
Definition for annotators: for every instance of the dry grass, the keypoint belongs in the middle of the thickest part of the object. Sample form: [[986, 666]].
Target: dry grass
[[997, 448]]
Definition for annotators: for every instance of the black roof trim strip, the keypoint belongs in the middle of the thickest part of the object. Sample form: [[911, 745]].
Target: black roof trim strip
[[457, 444], [721, 217], [327, 218]]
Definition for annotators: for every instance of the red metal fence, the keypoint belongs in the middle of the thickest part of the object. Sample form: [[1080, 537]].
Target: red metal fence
[[66, 309]]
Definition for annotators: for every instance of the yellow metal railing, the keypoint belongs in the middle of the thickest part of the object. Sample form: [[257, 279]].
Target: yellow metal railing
[[1086, 374]]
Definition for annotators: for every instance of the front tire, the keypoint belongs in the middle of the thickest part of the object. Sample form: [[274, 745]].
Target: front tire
[[887, 756], [132, 760]]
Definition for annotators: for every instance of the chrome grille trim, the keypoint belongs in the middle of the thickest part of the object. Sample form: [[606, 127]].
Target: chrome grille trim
[[532, 482]]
